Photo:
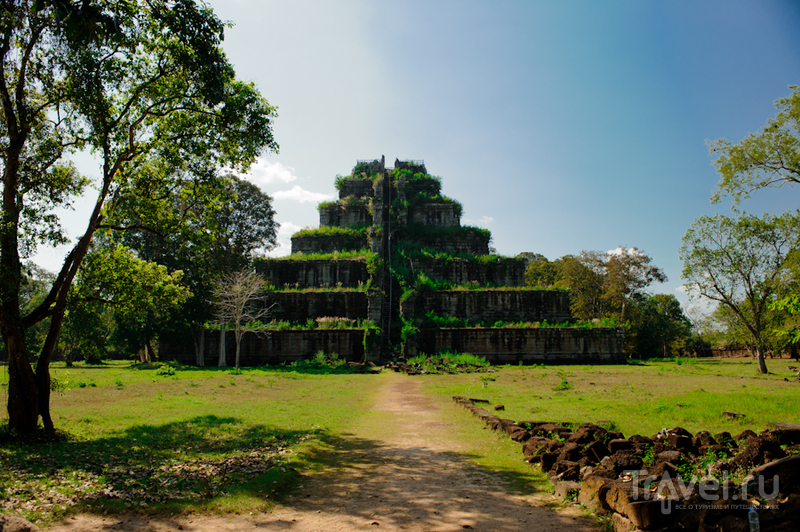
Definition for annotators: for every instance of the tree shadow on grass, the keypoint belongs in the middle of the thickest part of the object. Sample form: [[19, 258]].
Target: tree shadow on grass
[[207, 461], [171, 467]]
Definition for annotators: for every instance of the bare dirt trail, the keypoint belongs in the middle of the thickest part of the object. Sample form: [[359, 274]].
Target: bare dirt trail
[[397, 471]]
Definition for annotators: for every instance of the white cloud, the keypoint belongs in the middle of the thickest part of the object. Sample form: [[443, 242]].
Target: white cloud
[[284, 238], [264, 172], [288, 228], [298, 193], [483, 220], [622, 251]]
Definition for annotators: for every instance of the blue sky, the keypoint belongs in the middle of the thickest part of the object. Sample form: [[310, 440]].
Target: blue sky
[[561, 125]]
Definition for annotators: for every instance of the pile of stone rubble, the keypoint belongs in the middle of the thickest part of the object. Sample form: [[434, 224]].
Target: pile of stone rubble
[[670, 481]]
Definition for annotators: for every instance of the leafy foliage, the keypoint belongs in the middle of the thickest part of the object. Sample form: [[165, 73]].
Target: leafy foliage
[[601, 284], [449, 360], [767, 159], [332, 231], [143, 85], [657, 326], [740, 262], [432, 320], [141, 296]]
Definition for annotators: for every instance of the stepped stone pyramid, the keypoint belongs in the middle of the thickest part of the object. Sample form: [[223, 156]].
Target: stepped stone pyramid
[[391, 252]]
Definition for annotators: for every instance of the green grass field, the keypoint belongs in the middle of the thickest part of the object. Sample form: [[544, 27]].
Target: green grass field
[[177, 439], [640, 399]]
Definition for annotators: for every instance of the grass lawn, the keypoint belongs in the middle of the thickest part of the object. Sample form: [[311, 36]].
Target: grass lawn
[[639, 399], [178, 439], [175, 439]]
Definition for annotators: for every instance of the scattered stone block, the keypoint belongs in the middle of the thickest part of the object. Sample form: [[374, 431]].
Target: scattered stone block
[[593, 494], [759, 450], [595, 451], [13, 523], [619, 444], [567, 489], [621, 523], [744, 435], [680, 442], [547, 460], [520, 435], [725, 438], [622, 461], [570, 451], [565, 470], [787, 469], [668, 456]]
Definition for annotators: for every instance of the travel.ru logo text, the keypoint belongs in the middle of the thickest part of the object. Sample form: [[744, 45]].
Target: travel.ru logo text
[[671, 490]]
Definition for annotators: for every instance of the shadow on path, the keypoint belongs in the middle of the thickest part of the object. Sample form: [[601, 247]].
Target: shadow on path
[[408, 479]]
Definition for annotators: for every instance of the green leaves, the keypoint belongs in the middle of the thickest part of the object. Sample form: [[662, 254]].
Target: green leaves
[[141, 294], [769, 158], [740, 262]]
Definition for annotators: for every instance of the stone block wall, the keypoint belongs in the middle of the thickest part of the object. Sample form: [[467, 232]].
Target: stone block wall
[[357, 187], [273, 348], [434, 215], [467, 242], [407, 189], [562, 345], [491, 305], [345, 215], [327, 244], [503, 272], [314, 273], [298, 307]]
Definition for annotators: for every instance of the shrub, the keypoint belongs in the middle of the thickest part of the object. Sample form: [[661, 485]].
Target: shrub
[[448, 359]]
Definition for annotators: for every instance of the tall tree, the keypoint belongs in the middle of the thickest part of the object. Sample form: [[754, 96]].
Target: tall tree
[[769, 158], [140, 294], [657, 325], [135, 82], [628, 271], [239, 299], [225, 235], [602, 284], [739, 262], [585, 275]]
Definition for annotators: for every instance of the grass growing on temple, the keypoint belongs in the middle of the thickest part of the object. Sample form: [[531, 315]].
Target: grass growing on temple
[[449, 360]]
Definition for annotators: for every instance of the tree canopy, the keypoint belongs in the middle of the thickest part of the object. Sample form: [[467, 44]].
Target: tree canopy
[[740, 262], [145, 87], [769, 158]]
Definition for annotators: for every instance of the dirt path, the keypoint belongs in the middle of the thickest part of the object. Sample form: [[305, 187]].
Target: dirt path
[[398, 471]]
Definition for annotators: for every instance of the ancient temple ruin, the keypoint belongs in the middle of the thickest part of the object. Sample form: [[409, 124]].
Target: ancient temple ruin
[[392, 272]]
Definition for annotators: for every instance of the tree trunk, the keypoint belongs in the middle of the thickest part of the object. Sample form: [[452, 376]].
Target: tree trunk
[[23, 396], [238, 345], [200, 347], [43, 382], [221, 363], [762, 362], [151, 354]]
